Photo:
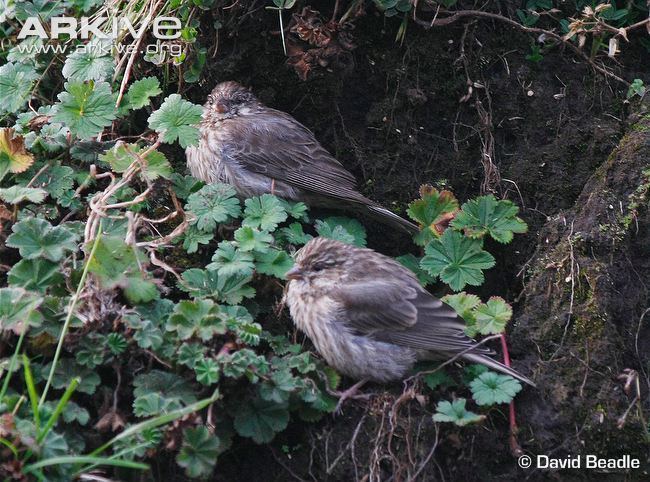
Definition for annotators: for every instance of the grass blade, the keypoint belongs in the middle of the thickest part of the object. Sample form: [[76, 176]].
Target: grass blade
[[31, 390], [59, 409], [66, 324], [84, 459], [160, 420]]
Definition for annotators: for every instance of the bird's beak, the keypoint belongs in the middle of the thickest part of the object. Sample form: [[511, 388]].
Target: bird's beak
[[294, 273]]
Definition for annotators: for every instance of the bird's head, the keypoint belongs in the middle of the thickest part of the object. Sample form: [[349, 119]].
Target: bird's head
[[321, 260], [227, 100]]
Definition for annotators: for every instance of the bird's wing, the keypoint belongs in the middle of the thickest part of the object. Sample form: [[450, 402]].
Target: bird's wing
[[398, 310], [278, 146]]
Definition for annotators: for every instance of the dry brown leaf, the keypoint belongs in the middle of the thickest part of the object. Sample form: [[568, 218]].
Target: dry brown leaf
[[13, 155]]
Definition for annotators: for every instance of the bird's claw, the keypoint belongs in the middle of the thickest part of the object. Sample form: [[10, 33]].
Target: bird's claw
[[350, 393]]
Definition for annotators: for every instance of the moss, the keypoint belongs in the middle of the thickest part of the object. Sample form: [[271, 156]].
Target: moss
[[640, 127]]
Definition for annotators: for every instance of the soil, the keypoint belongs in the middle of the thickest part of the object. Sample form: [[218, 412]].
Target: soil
[[566, 151]]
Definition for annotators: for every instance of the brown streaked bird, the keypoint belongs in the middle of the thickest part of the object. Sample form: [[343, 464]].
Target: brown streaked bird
[[261, 150], [369, 317]]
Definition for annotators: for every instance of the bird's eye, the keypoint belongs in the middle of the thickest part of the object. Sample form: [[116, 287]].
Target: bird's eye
[[319, 267]]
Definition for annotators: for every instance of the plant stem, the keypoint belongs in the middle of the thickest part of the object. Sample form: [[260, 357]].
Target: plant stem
[[12, 363], [68, 319], [515, 448]]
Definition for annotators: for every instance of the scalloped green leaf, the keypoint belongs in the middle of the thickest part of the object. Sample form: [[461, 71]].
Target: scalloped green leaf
[[456, 413], [86, 108], [457, 260], [176, 119], [490, 388], [486, 215], [264, 212], [35, 237]]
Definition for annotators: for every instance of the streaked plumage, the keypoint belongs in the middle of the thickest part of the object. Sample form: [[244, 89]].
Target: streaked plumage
[[369, 317], [261, 150]]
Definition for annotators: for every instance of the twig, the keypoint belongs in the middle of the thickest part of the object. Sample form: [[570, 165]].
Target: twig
[[636, 346], [457, 15], [285, 466], [426, 460], [572, 295], [348, 446]]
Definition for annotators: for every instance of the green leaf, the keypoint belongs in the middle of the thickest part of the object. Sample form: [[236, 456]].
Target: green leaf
[[153, 404], [472, 371], [18, 309], [413, 263], [68, 368], [35, 238], [17, 194], [35, 274], [490, 388], [176, 120], [457, 260], [637, 87], [139, 290], [85, 108], [92, 62], [437, 379], [141, 91], [244, 362], [294, 234], [295, 210], [432, 211], [239, 320], [463, 304], [193, 237], [250, 239], [153, 165], [148, 335], [168, 385], [57, 180], [261, 420], [117, 264], [16, 82], [486, 215], [274, 263], [213, 204], [280, 387], [90, 352], [230, 289], [456, 413], [346, 230], [185, 185], [229, 260], [491, 317], [116, 343], [207, 371], [74, 413], [198, 454], [264, 212], [198, 317], [189, 354]]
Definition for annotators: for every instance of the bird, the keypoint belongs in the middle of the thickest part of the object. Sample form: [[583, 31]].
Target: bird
[[259, 150], [369, 317]]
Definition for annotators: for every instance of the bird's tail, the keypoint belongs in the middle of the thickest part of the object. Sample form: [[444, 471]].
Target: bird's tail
[[388, 217], [489, 362]]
